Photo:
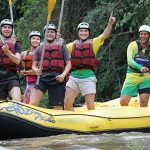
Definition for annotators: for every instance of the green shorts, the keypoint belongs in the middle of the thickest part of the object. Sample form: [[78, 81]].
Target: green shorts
[[135, 83]]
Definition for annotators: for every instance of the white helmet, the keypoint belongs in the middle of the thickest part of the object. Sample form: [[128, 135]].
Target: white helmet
[[83, 25], [144, 28], [51, 27], [6, 22], [35, 33]]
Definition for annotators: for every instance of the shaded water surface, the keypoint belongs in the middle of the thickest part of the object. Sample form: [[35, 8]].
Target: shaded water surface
[[122, 141]]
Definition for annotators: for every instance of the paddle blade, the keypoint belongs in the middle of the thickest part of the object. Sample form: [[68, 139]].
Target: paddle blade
[[51, 5], [10, 2]]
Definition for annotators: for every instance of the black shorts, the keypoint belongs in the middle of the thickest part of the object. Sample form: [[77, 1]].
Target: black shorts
[[7, 84], [142, 91], [56, 90]]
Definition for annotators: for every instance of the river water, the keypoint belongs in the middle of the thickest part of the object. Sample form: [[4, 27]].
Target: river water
[[122, 141]]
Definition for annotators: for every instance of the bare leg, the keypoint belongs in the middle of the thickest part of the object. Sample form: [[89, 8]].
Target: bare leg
[[15, 93], [144, 98], [89, 100], [36, 97], [70, 96], [124, 100], [58, 107]]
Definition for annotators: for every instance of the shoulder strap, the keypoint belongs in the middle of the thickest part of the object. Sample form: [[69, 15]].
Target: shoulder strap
[[76, 41], [27, 51], [148, 49], [139, 45]]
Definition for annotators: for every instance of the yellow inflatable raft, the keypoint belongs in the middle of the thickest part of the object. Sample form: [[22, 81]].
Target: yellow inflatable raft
[[19, 120]]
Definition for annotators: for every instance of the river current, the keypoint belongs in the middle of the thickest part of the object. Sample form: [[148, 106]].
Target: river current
[[122, 141]]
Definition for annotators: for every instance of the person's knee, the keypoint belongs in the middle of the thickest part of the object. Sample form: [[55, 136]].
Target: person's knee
[[144, 99], [124, 101], [34, 103], [90, 104], [58, 107], [90, 101], [67, 102], [16, 97], [144, 103]]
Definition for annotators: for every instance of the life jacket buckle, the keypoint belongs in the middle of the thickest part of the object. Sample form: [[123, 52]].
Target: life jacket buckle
[[3, 71]]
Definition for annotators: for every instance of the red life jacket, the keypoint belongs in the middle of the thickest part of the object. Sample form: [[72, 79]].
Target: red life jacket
[[82, 55], [5, 61], [27, 60], [53, 57]]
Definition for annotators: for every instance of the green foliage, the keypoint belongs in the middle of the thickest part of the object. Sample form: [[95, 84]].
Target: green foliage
[[45, 102], [33, 18], [4, 11], [22, 80]]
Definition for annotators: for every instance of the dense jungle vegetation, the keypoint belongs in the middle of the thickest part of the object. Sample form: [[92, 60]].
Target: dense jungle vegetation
[[130, 15]]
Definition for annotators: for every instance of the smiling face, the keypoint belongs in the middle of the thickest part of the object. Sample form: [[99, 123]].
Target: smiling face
[[51, 35], [6, 31], [83, 34], [144, 36], [35, 41]]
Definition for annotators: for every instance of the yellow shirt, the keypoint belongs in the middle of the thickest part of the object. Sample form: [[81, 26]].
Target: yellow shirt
[[86, 73]]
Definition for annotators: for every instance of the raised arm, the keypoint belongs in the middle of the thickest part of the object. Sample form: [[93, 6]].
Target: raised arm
[[108, 29]]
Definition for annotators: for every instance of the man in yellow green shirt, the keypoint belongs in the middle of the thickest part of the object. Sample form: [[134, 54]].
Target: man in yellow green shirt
[[137, 77], [83, 59]]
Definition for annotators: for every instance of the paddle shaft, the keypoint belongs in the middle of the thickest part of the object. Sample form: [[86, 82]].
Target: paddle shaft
[[51, 4], [43, 51], [2, 39], [11, 14], [61, 15]]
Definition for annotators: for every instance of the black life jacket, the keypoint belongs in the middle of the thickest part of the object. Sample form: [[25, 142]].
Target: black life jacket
[[142, 58]]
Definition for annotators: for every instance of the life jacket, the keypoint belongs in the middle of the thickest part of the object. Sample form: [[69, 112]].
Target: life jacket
[[5, 61], [53, 59], [82, 55], [27, 60], [142, 58]]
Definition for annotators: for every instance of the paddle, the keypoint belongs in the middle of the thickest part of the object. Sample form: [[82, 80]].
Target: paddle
[[61, 15], [11, 14], [51, 5], [2, 39]]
